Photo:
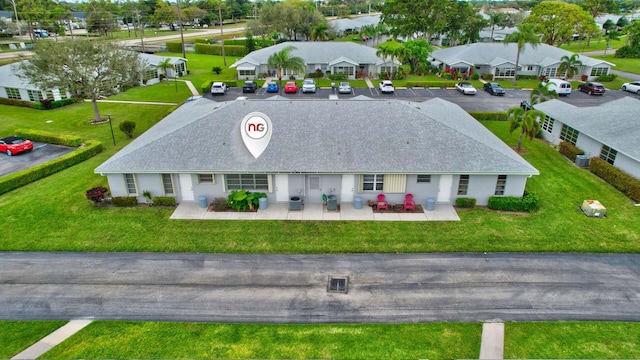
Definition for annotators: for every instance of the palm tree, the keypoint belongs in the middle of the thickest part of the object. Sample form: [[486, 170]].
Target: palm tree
[[320, 32], [522, 37], [527, 121], [390, 49], [165, 65], [282, 60], [542, 94], [570, 66]]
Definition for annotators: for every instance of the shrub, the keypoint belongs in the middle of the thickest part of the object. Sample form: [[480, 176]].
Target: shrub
[[219, 204], [569, 150], [174, 47], [127, 127], [628, 52], [617, 178], [527, 203], [527, 77], [337, 76], [40, 171], [489, 115], [206, 86], [475, 76], [163, 201], [216, 69], [241, 200], [487, 76], [229, 50], [436, 83], [124, 201], [606, 78], [15, 102], [49, 138], [97, 194], [465, 202]]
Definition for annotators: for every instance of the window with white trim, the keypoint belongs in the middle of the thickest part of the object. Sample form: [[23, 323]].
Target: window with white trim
[[424, 179], [205, 179], [529, 67], [608, 154], [13, 93], [597, 71], [372, 182], [343, 70], [547, 124], [569, 134], [549, 72], [501, 184], [247, 181], [35, 95], [63, 93], [49, 95], [505, 72], [130, 184], [463, 185], [247, 72], [167, 184]]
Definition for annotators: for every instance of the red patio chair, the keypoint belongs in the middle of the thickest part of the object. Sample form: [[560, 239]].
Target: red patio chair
[[382, 203], [409, 204]]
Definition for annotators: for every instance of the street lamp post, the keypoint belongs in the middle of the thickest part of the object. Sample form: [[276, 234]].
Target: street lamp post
[[111, 127]]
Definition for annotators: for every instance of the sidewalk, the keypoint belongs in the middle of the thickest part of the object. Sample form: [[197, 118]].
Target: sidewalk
[[52, 339]]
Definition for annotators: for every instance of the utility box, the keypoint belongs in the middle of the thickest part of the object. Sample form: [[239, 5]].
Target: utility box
[[593, 208], [332, 203], [582, 161], [295, 203]]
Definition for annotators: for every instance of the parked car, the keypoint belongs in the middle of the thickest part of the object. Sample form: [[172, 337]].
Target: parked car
[[633, 87], [218, 88], [308, 85], [12, 145], [290, 87], [493, 88], [249, 86], [272, 87], [561, 87], [592, 88], [526, 105], [344, 88], [386, 86], [466, 88]]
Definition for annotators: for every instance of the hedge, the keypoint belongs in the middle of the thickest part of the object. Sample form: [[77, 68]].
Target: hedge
[[527, 203], [16, 102], [435, 83], [174, 47], [40, 171], [229, 50], [46, 104], [489, 115], [617, 178], [569, 150], [465, 202], [163, 201], [206, 86], [124, 201], [50, 138]]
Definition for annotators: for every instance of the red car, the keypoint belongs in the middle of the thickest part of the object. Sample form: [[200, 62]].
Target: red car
[[12, 145], [291, 87]]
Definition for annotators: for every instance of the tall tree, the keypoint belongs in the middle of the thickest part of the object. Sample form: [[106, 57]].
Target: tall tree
[[87, 69], [320, 32], [164, 66], [525, 35], [596, 8], [557, 21], [526, 121], [421, 18], [391, 49], [570, 66], [415, 53], [282, 60], [495, 19], [541, 94]]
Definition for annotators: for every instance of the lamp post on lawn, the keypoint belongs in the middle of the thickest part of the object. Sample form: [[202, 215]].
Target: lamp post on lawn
[[111, 127]]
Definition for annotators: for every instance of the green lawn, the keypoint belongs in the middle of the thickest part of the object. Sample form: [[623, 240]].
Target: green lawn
[[113, 339], [162, 92], [572, 340], [628, 65], [577, 46], [15, 336]]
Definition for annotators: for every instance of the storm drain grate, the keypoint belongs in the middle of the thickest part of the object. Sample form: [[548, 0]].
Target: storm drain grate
[[338, 284]]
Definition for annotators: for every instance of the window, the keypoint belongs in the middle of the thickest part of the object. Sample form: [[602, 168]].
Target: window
[[501, 184], [180, 68], [63, 93], [550, 72], [247, 72], [167, 184], [372, 182], [343, 70], [13, 93], [547, 124], [529, 67], [247, 181], [424, 178], [569, 134], [463, 185], [34, 95], [130, 183], [505, 72], [49, 95], [150, 74], [608, 154], [597, 71], [385, 69], [205, 178]]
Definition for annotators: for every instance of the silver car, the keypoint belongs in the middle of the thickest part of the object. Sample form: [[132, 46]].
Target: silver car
[[344, 88], [308, 85]]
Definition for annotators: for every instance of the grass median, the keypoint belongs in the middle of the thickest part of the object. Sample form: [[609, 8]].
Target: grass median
[[16, 336]]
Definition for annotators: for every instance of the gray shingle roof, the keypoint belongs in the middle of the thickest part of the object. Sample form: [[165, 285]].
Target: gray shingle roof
[[615, 123], [321, 136]]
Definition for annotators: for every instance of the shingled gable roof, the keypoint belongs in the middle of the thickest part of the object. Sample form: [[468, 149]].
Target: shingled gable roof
[[321, 136], [614, 123]]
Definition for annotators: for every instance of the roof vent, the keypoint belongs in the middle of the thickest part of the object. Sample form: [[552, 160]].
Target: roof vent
[[338, 284]]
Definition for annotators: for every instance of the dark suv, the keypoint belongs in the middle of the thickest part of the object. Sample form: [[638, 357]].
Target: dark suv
[[249, 86], [592, 88], [493, 88]]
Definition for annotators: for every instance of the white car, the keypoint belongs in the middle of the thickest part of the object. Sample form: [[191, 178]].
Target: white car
[[386, 86], [218, 87], [344, 88], [466, 88], [308, 85], [633, 87]]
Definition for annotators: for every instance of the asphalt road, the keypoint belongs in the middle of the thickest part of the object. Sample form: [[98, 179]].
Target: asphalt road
[[293, 288], [41, 153]]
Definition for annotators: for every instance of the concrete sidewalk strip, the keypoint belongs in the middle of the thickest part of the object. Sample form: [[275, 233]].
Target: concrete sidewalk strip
[[492, 345], [52, 339]]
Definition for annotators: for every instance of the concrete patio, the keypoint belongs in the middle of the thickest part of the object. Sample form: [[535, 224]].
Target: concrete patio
[[347, 212]]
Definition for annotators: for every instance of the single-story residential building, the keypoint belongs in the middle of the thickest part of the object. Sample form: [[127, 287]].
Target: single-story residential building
[[609, 131], [499, 59], [354, 25], [333, 57], [14, 87], [347, 148]]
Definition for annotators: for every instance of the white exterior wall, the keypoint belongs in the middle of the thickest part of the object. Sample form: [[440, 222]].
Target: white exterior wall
[[628, 165]]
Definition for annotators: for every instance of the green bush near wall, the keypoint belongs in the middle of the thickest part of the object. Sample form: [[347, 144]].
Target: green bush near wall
[[489, 115], [48, 104], [435, 83], [527, 203], [124, 201], [16, 102], [49, 138], [206, 86], [40, 171], [229, 50], [569, 150], [617, 178], [465, 202], [163, 201]]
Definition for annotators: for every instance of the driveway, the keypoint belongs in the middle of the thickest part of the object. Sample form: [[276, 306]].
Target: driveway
[[390, 288], [41, 153]]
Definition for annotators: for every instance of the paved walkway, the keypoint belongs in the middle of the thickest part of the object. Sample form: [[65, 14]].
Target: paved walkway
[[492, 344], [192, 211], [52, 339]]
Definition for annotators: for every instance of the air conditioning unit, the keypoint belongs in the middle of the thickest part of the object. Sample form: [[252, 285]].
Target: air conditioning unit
[[582, 161], [593, 208]]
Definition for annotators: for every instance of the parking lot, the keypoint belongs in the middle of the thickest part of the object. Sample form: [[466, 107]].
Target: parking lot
[[482, 101], [41, 153]]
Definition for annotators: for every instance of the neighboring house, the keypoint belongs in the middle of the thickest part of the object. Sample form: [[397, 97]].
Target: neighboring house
[[334, 57], [500, 60], [14, 87], [358, 147], [609, 131], [353, 26], [6, 15], [499, 34]]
